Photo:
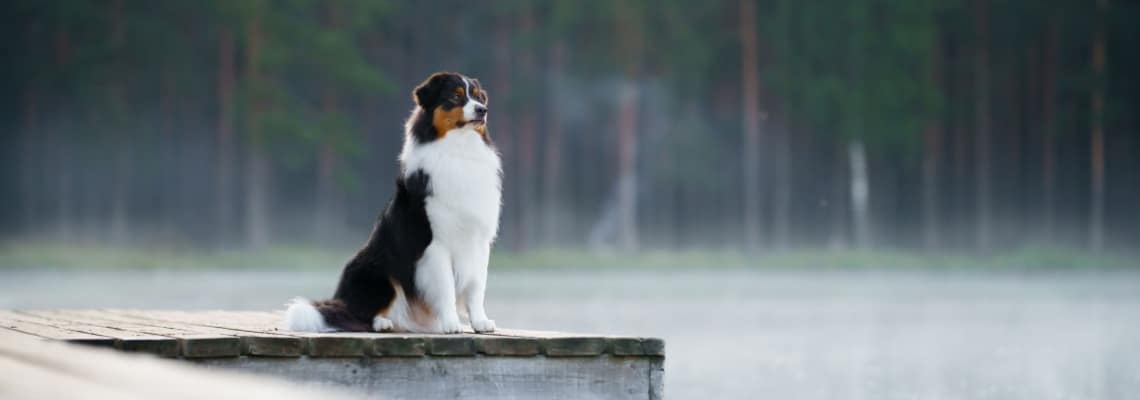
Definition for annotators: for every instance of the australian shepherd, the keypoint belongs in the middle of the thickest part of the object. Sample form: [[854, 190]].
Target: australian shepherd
[[424, 268]]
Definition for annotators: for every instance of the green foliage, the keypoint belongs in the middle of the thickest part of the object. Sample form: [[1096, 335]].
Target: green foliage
[[856, 69], [880, 71], [302, 55]]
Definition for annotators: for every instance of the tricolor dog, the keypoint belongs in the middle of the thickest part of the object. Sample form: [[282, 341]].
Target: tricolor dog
[[424, 268]]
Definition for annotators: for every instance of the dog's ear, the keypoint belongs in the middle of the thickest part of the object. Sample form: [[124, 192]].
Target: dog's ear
[[482, 92], [427, 93]]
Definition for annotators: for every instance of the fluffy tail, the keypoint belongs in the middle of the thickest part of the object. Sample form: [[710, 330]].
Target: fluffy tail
[[320, 316], [303, 316]]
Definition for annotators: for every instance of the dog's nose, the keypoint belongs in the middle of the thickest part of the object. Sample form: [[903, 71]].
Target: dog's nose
[[480, 111]]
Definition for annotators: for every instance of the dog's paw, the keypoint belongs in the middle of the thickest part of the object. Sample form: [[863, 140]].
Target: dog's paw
[[483, 325], [451, 325], [381, 324]]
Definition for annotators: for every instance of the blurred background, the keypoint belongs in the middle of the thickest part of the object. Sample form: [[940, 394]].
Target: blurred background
[[912, 171], [972, 126]]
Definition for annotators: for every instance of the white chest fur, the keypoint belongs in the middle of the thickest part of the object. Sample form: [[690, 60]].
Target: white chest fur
[[466, 185]]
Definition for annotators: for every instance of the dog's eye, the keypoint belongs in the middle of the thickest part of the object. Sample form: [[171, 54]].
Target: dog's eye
[[457, 96]]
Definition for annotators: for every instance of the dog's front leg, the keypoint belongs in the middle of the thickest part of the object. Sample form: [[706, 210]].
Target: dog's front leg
[[435, 281], [474, 286]]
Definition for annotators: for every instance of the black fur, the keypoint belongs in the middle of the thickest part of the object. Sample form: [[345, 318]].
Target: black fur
[[429, 94], [422, 128], [398, 239], [335, 313]]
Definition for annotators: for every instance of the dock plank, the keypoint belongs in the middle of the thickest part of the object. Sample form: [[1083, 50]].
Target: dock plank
[[560, 344], [316, 345], [190, 343], [41, 369], [252, 343], [52, 332], [123, 339], [203, 341], [575, 344], [508, 346], [252, 322]]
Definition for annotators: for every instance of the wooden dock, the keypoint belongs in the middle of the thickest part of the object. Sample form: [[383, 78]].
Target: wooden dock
[[40, 369], [507, 364]]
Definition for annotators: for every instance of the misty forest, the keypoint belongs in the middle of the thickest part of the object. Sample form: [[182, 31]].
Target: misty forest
[[971, 126]]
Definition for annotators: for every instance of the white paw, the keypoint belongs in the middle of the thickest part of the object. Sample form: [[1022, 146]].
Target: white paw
[[451, 325], [483, 325], [381, 324]]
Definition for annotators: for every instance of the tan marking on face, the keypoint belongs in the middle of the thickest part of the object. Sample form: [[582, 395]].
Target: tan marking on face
[[481, 96], [445, 120]]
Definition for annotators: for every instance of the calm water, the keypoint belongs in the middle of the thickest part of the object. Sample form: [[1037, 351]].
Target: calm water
[[749, 334]]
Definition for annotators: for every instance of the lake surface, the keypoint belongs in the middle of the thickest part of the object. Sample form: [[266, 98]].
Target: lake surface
[[754, 334]]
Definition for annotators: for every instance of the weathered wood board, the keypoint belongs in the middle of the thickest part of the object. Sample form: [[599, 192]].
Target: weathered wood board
[[40, 369], [503, 365], [471, 377]]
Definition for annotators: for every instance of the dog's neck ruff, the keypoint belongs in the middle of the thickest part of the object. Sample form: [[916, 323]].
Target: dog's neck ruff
[[465, 182]]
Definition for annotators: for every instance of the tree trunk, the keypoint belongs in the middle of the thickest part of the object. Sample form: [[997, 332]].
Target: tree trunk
[[1048, 146], [167, 148], [552, 171], [58, 147], [30, 184], [782, 184], [960, 195], [223, 172], [982, 209], [256, 197], [1028, 218], [750, 111], [330, 209], [857, 155], [117, 100], [840, 203], [502, 132], [1096, 198], [1007, 167], [932, 151], [932, 146], [257, 162], [329, 216], [630, 46], [860, 193], [191, 209], [527, 133], [627, 178]]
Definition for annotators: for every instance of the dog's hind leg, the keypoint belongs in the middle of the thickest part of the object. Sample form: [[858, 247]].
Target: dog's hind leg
[[435, 280]]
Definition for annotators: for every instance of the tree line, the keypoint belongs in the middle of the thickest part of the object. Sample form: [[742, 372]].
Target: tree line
[[972, 125]]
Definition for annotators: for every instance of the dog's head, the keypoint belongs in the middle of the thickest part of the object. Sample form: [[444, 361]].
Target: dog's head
[[452, 101]]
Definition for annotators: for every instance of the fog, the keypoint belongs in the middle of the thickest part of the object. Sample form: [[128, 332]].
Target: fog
[[758, 334], [625, 128], [831, 199]]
